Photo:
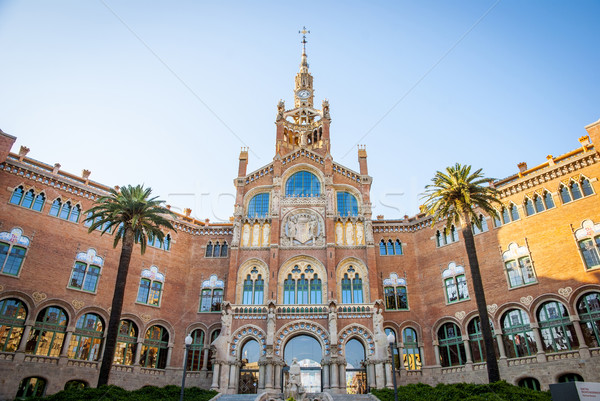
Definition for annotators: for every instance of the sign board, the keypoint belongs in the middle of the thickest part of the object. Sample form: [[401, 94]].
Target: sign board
[[575, 391]]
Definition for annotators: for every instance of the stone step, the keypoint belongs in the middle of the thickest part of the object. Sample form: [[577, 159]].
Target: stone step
[[237, 397], [352, 397]]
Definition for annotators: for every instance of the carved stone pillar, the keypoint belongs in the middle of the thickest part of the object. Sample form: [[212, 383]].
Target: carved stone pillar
[[584, 350], [333, 368], [342, 378], [138, 352], [269, 378], [467, 349], [371, 374], [541, 355], [436, 350], [65, 346], [501, 346], [24, 338], [389, 383], [232, 377], [215, 379], [379, 375], [278, 376], [169, 353], [325, 369]]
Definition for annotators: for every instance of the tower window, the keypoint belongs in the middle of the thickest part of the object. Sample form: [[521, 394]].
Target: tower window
[[346, 204], [259, 206], [303, 184]]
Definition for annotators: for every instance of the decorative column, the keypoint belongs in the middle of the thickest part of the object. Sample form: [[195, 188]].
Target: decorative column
[[261, 375], [400, 355], [342, 378], [215, 379], [24, 338], [436, 350], [379, 375], [388, 375], [467, 349], [501, 346], [138, 352], [278, 366], [325, 369], [584, 350], [335, 384], [65, 347], [169, 352], [232, 376], [371, 374], [541, 355], [206, 350], [269, 381]]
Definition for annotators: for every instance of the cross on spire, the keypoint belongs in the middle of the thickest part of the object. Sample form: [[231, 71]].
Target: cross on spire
[[304, 31]]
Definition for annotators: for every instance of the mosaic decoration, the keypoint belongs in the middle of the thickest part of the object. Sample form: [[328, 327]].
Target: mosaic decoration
[[460, 315], [526, 300], [77, 304], [245, 333], [213, 282], [15, 236], [588, 229], [514, 252], [145, 317], [90, 257], [298, 328], [492, 308], [394, 280], [39, 296], [355, 331], [153, 274], [453, 270], [565, 292]]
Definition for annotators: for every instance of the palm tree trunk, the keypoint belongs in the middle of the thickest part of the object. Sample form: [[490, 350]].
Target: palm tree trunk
[[488, 339], [117, 305]]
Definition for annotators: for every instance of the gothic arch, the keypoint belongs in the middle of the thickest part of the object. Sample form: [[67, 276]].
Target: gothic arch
[[537, 302], [360, 268], [302, 167], [194, 326], [159, 322], [359, 332], [299, 327], [137, 321], [96, 310], [27, 301], [440, 322], [580, 292], [67, 307], [247, 268], [244, 334], [302, 261]]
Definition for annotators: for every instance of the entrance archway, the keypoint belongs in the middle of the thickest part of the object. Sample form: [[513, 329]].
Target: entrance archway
[[356, 374], [248, 383], [307, 351]]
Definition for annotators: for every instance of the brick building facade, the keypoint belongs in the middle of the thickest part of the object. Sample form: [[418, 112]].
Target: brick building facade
[[303, 271]]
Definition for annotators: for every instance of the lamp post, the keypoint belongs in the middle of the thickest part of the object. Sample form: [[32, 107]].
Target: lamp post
[[391, 340], [188, 343]]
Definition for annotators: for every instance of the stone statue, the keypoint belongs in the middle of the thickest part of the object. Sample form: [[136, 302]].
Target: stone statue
[[326, 109], [271, 325], [360, 231], [369, 232], [381, 344], [237, 228], [221, 342], [332, 324], [280, 109], [293, 387], [330, 199]]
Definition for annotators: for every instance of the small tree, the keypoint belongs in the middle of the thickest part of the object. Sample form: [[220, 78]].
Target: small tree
[[453, 197], [135, 218]]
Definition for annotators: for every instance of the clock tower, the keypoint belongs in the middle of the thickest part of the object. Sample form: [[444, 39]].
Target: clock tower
[[303, 126]]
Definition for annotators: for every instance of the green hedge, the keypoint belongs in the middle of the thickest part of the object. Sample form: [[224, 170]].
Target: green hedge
[[500, 391], [114, 393]]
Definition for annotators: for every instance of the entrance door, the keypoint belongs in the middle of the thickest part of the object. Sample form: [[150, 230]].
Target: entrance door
[[356, 374], [308, 353], [248, 380]]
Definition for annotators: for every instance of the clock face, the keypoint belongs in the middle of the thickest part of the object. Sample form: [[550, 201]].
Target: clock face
[[303, 94]]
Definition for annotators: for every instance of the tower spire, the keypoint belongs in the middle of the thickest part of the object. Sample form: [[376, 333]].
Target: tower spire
[[304, 61]]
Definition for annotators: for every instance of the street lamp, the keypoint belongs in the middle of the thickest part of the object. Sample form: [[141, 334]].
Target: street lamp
[[188, 343], [391, 340]]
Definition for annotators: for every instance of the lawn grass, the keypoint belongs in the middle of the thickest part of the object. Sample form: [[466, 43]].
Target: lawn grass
[[500, 391]]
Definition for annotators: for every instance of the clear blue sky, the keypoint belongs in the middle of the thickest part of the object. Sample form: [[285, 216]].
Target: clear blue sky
[[166, 92]]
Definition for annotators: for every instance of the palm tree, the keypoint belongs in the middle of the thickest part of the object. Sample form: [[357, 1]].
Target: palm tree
[[453, 197], [135, 218]]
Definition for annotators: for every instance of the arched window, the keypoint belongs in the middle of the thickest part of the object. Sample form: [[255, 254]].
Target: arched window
[[13, 247], [518, 337], [195, 356], [258, 208], [213, 337], [87, 339], [151, 286], [390, 247], [253, 290], [514, 212], [347, 204], [224, 248], [588, 308], [586, 187], [209, 250], [505, 215], [12, 324], [156, 243], [412, 354], [548, 200], [398, 247], [476, 340], [558, 333], [538, 203], [76, 385], [565, 196], [396, 352], [28, 199], [155, 348], [31, 387], [394, 289], [482, 222], [303, 184], [126, 343], [217, 249], [570, 377], [55, 208], [455, 283], [589, 243], [302, 286], [17, 195], [530, 383], [383, 248], [86, 271], [346, 290], [48, 334], [211, 296], [529, 210], [519, 268], [575, 190], [352, 292], [452, 347]]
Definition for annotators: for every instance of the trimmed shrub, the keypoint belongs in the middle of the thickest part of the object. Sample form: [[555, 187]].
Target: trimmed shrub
[[114, 393]]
